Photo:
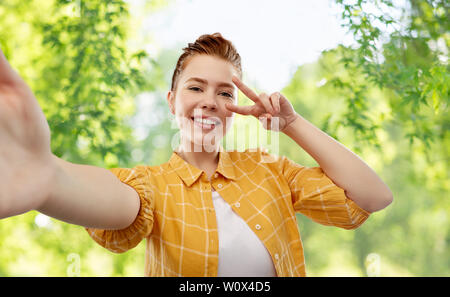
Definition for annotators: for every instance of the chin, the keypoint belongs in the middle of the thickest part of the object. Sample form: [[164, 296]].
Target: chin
[[207, 143]]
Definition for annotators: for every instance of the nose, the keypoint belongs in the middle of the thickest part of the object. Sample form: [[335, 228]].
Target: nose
[[209, 103]]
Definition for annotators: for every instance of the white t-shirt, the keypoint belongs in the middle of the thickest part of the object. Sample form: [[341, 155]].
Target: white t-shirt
[[241, 252]]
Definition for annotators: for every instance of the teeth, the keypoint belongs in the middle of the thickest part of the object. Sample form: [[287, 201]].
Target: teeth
[[205, 121]]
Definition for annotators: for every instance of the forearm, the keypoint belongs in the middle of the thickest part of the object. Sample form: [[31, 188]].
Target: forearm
[[345, 168], [91, 197]]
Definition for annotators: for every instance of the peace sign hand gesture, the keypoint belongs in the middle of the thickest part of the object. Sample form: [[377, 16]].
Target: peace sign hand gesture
[[267, 109]]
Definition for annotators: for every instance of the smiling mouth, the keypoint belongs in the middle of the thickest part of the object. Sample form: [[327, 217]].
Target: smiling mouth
[[206, 124]]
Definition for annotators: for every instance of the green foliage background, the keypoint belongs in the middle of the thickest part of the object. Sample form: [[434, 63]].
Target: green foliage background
[[386, 99]]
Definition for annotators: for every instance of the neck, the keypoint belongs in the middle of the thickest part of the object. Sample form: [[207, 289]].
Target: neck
[[203, 158]]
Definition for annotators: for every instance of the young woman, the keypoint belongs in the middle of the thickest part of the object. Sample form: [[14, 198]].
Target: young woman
[[207, 211]]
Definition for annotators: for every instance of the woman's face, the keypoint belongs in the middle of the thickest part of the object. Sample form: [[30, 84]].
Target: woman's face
[[203, 88]]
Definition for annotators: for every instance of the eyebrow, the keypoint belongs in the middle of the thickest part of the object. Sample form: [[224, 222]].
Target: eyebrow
[[204, 81]]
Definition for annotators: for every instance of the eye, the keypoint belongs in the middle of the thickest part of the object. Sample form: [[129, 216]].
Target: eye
[[195, 89], [226, 94]]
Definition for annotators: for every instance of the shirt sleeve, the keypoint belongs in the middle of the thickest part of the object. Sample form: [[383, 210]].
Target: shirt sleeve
[[316, 196], [119, 241]]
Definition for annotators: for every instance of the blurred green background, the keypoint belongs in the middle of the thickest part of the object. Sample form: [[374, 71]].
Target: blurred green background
[[385, 97]]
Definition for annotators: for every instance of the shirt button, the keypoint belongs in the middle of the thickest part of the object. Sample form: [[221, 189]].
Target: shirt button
[[220, 186], [237, 204], [216, 175], [258, 227], [277, 257]]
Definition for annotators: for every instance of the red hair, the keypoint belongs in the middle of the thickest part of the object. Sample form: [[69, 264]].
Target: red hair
[[208, 44]]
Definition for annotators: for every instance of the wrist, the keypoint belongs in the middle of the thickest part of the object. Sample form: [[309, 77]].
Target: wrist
[[291, 124], [54, 173]]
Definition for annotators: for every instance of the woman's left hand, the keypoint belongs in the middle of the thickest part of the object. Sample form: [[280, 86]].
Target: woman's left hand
[[267, 109]]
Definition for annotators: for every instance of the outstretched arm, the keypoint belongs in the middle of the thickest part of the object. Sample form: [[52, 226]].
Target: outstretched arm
[[31, 177], [90, 196]]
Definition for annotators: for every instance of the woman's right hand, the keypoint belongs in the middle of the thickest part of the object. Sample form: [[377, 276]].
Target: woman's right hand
[[26, 160]]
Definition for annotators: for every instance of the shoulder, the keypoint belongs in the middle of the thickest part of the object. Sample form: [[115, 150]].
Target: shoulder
[[142, 174], [126, 174], [252, 157]]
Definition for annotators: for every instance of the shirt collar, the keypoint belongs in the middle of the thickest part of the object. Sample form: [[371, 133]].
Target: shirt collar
[[189, 173]]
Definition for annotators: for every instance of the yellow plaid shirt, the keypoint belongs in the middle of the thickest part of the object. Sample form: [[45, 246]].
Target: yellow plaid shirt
[[178, 220]]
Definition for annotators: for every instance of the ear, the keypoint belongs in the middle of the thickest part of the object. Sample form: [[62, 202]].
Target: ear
[[171, 101]]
